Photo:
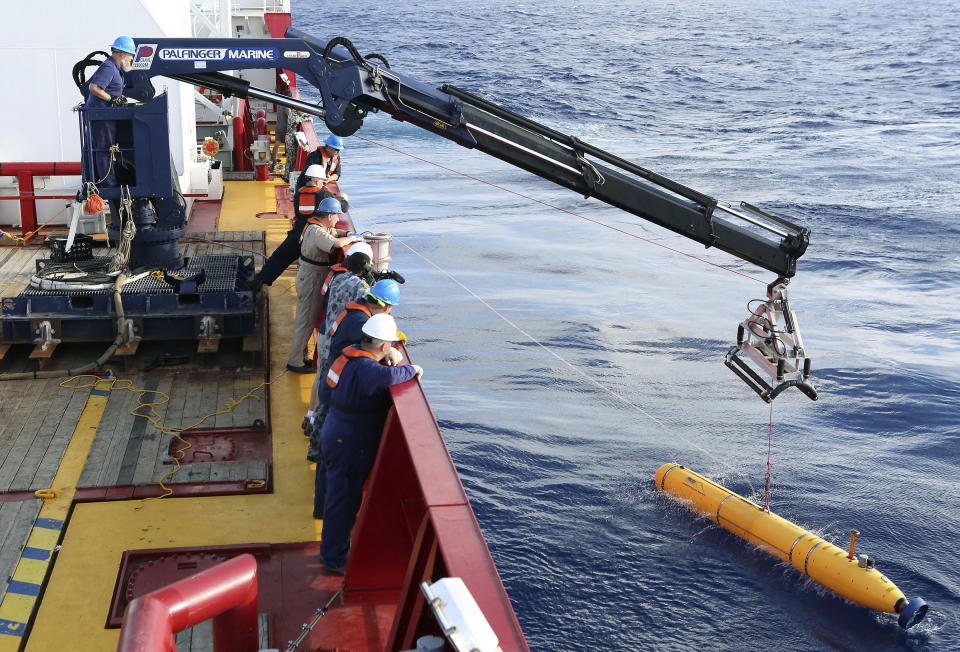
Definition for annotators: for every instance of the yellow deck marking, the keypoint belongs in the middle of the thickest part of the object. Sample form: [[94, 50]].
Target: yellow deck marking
[[77, 597], [30, 572], [43, 537]]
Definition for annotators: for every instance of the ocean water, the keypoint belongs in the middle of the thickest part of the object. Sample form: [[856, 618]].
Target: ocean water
[[842, 116]]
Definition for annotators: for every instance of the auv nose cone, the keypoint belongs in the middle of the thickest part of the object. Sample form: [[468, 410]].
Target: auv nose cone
[[912, 613]]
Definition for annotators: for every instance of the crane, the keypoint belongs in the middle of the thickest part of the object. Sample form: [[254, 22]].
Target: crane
[[769, 355]]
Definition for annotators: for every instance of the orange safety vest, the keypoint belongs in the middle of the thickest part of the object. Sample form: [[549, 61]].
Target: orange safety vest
[[329, 166], [332, 162], [311, 220], [307, 200], [333, 376], [352, 305], [333, 271]]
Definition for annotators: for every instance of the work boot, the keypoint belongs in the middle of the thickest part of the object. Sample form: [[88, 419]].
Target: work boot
[[305, 369]]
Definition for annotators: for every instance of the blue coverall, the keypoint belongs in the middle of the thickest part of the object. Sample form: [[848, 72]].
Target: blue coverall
[[103, 133], [348, 333], [349, 441]]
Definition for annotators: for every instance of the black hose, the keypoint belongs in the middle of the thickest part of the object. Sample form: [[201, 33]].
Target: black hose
[[94, 271], [91, 366], [80, 69], [382, 58], [351, 48]]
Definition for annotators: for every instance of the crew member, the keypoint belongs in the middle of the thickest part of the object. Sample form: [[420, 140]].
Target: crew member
[[104, 89], [283, 113], [345, 287], [328, 157], [347, 331], [291, 143], [289, 249], [359, 401], [317, 244]]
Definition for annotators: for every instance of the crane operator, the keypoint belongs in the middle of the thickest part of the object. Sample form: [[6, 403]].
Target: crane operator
[[104, 89]]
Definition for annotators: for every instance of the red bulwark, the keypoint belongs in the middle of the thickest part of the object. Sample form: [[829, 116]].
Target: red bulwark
[[415, 525], [418, 526]]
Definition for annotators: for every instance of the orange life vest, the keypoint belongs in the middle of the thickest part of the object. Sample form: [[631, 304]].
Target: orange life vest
[[352, 305], [312, 220], [307, 200], [333, 376], [329, 164], [333, 272]]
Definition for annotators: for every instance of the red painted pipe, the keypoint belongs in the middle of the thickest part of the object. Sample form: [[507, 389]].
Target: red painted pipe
[[40, 169], [25, 172], [227, 593], [35, 197]]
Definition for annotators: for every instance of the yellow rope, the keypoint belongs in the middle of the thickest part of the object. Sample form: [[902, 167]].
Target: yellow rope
[[156, 419], [114, 153], [22, 240]]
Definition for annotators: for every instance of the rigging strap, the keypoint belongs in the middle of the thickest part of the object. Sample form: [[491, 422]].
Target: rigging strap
[[766, 481]]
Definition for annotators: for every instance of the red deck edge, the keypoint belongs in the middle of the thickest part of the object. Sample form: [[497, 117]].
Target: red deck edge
[[419, 526], [186, 489], [18, 496]]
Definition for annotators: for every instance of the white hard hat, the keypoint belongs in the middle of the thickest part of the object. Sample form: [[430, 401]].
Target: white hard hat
[[381, 327], [358, 248], [314, 171]]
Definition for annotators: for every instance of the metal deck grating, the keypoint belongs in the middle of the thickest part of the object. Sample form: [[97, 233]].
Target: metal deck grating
[[222, 273]]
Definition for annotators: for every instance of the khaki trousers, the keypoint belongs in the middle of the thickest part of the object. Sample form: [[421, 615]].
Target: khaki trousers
[[309, 283]]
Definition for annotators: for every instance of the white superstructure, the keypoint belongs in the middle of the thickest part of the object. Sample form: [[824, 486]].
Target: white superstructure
[[41, 41]]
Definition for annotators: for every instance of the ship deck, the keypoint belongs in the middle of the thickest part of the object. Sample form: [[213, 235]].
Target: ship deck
[[100, 468]]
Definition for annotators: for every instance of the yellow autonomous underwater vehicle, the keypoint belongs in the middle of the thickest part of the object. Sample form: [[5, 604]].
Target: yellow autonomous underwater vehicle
[[854, 578]]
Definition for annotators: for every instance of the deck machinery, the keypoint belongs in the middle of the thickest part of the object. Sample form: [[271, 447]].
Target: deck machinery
[[769, 353], [164, 296]]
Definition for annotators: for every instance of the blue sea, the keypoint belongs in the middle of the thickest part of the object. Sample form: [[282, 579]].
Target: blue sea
[[842, 116]]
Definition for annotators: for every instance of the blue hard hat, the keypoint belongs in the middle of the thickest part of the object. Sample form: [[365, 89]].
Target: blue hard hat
[[330, 205], [124, 44], [386, 291], [334, 141]]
